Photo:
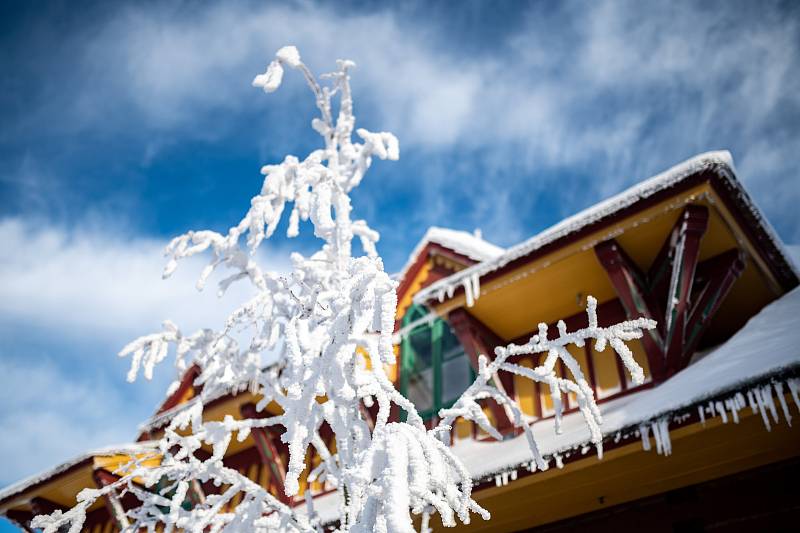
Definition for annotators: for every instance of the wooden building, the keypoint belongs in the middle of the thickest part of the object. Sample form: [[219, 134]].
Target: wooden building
[[707, 442]]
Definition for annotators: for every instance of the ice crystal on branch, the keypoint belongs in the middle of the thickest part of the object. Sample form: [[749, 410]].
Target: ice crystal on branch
[[330, 322]]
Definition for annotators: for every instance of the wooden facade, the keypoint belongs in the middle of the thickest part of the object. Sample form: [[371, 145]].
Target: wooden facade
[[693, 255]]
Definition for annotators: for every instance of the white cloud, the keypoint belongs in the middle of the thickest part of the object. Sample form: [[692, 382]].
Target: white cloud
[[611, 91], [102, 283], [49, 415], [85, 290], [562, 103]]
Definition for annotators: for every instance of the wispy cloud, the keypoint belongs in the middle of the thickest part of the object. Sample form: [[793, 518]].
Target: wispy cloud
[[503, 129], [50, 415], [101, 281], [88, 291], [611, 92]]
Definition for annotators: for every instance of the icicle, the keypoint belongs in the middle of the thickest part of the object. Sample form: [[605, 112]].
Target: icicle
[[779, 391], [794, 387], [701, 414], [761, 408], [657, 436], [644, 432], [766, 394], [666, 442], [546, 463], [617, 437], [751, 401], [599, 446], [468, 292], [721, 410], [730, 403], [498, 481], [559, 461], [476, 286], [514, 475], [740, 401]]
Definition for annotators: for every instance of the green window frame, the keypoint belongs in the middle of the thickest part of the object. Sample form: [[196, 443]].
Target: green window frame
[[428, 352]]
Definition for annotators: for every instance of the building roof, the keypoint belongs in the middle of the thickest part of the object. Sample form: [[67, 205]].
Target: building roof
[[471, 245], [767, 347], [720, 163], [42, 477]]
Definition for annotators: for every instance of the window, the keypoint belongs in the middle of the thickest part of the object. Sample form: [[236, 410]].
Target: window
[[435, 369]]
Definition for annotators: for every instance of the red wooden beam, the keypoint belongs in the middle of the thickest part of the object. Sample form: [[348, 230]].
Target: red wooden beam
[[103, 478], [666, 293], [187, 382], [633, 291], [269, 454], [715, 277], [692, 226], [44, 506], [21, 519], [472, 335]]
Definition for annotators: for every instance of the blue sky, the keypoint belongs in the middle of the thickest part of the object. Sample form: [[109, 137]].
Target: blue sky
[[122, 125]]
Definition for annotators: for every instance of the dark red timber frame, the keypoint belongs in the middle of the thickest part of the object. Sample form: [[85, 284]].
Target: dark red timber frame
[[267, 442], [723, 182], [608, 314], [681, 294], [115, 505], [435, 274], [21, 519], [478, 339]]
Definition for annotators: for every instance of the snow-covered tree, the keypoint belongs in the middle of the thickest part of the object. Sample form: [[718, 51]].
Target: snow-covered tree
[[329, 323]]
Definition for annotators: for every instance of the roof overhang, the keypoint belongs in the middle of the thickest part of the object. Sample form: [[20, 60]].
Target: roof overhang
[[714, 170]]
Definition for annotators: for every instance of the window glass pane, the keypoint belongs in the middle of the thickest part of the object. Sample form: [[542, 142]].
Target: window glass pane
[[420, 389], [456, 376], [420, 340], [450, 346]]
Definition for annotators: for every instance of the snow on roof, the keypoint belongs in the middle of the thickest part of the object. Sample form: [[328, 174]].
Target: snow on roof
[[41, 477], [326, 506], [471, 245], [794, 254], [598, 212], [768, 344], [160, 419]]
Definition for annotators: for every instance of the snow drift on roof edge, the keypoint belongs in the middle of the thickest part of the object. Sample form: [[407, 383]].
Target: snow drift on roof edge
[[461, 242], [764, 347], [599, 211], [43, 476]]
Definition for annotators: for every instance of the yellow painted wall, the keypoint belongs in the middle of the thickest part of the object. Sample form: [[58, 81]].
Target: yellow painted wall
[[699, 453], [526, 390], [606, 372]]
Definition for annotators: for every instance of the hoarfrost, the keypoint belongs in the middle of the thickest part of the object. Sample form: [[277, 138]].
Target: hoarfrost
[[331, 323]]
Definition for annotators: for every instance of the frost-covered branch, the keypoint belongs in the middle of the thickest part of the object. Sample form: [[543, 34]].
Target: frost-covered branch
[[616, 336], [329, 322]]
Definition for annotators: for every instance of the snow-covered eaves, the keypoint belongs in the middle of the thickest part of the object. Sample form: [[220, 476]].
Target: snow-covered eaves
[[162, 418], [42, 477], [719, 163], [470, 245], [766, 348]]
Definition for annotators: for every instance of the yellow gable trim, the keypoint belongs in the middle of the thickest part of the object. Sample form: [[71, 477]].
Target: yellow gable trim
[[588, 242], [413, 288]]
